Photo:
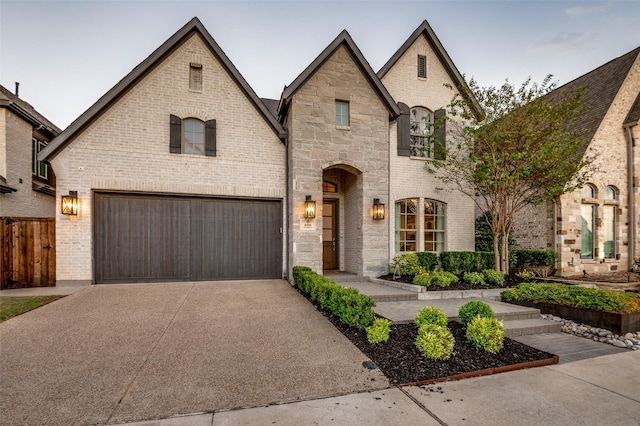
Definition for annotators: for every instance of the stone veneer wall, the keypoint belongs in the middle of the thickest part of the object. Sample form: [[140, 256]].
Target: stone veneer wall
[[317, 144], [408, 176], [127, 149], [15, 165]]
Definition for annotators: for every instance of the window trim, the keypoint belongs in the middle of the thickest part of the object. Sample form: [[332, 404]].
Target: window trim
[[435, 231], [402, 243], [420, 225], [347, 115], [422, 66], [417, 149], [37, 165], [184, 135], [609, 221], [195, 70]]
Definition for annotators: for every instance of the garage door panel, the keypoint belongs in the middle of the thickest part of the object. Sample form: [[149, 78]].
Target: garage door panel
[[154, 238]]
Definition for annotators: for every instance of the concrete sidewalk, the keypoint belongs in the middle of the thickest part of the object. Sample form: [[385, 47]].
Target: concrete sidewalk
[[597, 391]]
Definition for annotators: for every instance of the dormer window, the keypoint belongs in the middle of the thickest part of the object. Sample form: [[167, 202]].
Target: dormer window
[[195, 77]]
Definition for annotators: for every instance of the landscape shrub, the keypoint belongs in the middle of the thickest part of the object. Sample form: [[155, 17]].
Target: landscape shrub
[[379, 331], [427, 260], [472, 309], [442, 278], [580, 297], [351, 307], [459, 262], [405, 264], [526, 274], [540, 261], [474, 278], [435, 342], [423, 279], [430, 315], [493, 277], [486, 334]]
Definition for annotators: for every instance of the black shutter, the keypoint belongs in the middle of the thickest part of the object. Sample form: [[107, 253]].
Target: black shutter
[[210, 138], [440, 120], [175, 134], [403, 124]]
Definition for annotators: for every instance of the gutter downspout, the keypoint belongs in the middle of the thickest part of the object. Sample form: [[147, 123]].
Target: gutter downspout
[[286, 208], [631, 196]]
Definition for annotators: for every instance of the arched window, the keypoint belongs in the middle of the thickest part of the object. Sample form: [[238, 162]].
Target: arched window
[[421, 124], [406, 224], [587, 219], [329, 186], [417, 217], [609, 221], [433, 226], [193, 136]]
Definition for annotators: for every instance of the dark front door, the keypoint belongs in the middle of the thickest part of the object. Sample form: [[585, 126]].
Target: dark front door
[[329, 234], [155, 238]]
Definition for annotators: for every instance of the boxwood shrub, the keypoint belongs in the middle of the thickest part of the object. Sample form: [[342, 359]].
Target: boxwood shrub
[[405, 264], [435, 342], [474, 278], [486, 334], [351, 307], [472, 309], [459, 262], [491, 276], [427, 260], [379, 331], [579, 297], [430, 315]]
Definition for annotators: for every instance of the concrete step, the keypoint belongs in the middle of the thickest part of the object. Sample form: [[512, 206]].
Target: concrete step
[[382, 298], [343, 277], [525, 327]]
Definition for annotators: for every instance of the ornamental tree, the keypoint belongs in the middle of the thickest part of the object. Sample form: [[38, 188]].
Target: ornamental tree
[[528, 148]]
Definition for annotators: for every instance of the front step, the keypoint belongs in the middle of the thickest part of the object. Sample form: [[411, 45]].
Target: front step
[[525, 327], [381, 298]]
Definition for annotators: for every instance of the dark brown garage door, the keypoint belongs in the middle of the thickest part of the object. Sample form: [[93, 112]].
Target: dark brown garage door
[[155, 238]]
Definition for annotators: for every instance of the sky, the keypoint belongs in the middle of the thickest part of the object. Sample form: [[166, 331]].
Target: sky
[[67, 54]]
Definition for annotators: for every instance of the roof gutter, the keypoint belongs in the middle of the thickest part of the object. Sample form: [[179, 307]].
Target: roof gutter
[[631, 194]]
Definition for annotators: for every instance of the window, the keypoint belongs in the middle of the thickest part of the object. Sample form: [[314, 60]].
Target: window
[[342, 113], [406, 224], [422, 66], [38, 168], [192, 136], [420, 126], [329, 187], [587, 219], [433, 226], [195, 77], [609, 219]]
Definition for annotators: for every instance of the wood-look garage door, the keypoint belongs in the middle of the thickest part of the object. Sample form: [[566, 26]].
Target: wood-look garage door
[[155, 238]]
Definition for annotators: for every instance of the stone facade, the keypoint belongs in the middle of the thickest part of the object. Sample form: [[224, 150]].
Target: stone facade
[[538, 226], [26, 198]]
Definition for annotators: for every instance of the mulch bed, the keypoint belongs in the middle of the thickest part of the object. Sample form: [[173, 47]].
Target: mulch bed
[[402, 363], [509, 280]]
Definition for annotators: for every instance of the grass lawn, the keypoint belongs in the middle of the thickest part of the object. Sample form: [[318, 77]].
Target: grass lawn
[[14, 306]]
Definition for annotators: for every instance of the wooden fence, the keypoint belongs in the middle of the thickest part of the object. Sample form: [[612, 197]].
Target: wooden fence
[[27, 252]]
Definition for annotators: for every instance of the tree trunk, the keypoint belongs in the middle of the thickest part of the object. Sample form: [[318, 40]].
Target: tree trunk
[[505, 253], [496, 249]]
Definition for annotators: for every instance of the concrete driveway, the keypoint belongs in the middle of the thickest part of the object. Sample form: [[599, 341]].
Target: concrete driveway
[[121, 353]]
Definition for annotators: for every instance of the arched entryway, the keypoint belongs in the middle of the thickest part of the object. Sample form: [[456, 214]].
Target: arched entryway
[[342, 215]]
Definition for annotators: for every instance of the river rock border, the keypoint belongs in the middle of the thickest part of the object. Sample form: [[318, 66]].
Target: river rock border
[[629, 340]]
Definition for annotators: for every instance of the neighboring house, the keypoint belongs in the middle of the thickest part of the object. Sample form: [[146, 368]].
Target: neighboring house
[[597, 229], [183, 173], [27, 185]]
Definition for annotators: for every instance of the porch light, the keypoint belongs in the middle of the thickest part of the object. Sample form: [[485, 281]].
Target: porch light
[[378, 209], [309, 208], [70, 203]]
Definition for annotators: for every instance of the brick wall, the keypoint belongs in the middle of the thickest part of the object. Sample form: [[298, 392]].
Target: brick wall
[[16, 141], [408, 176], [127, 149]]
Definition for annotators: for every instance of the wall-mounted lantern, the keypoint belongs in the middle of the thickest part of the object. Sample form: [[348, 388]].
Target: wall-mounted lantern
[[309, 208], [70, 203], [378, 209]]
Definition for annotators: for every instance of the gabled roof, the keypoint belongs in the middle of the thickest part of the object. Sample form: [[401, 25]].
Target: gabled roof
[[343, 39], [146, 66], [600, 89], [26, 112], [633, 118], [425, 30]]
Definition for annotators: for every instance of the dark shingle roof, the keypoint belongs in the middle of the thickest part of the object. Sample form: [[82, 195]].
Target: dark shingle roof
[[272, 105], [26, 111], [634, 113], [600, 89]]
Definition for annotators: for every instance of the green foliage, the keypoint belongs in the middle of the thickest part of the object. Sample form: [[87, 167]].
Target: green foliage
[[405, 264], [474, 278], [422, 279], [526, 274], [427, 260], [443, 278], [484, 239], [430, 315], [493, 277], [580, 297], [459, 262], [535, 257], [435, 342], [486, 334], [379, 331], [353, 309], [472, 309]]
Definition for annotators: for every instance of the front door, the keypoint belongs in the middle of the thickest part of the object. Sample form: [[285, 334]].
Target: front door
[[329, 234]]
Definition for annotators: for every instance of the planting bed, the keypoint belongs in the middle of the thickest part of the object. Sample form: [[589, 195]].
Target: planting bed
[[400, 361], [509, 280]]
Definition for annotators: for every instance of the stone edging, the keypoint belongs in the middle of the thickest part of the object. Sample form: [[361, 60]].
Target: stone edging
[[423, 294], [629, 340]]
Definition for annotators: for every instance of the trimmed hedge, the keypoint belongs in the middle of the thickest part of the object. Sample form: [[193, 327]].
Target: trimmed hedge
[[459, 262], [427, 260], [353, 309], [578, 297], [529, 258]]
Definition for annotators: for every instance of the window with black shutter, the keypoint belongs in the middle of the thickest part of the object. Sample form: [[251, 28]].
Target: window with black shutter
[[422, 66], [192, 136]]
